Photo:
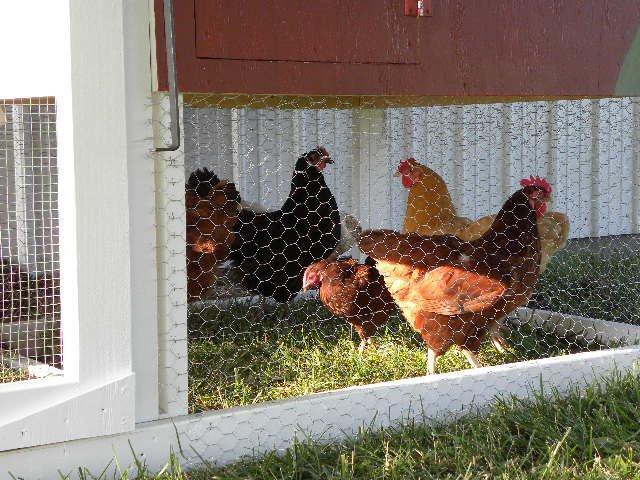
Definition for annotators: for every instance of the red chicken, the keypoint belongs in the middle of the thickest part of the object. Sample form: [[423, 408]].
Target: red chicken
[[354, 291], [455, 292], [212, 208]]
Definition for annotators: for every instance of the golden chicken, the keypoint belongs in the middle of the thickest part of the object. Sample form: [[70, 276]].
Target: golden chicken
[[430, 211]]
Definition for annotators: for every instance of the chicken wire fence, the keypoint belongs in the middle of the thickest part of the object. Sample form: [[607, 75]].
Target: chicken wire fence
[[330, 244], [30, 339]]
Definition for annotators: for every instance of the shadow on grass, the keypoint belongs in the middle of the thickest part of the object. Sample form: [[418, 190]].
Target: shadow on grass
[[234, 360], [240, 356], [589, 284]]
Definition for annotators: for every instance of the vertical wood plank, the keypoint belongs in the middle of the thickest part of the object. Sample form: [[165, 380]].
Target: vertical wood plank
[[21, 248]]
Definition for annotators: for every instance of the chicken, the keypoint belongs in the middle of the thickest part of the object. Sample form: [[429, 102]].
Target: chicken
[[454, 291], [430, 211], [272, 249], [212, 210], [354, 291]]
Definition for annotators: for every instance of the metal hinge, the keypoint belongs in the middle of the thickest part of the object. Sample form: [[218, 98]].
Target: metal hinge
[[418, 8]]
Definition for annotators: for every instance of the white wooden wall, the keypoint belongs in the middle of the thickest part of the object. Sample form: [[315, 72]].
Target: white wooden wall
[[589, 149], [93, 58]]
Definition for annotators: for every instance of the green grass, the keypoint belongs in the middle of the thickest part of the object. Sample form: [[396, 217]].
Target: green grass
[[8, 375], [236, 361], [237, 357], [597, 285], [593, 435]]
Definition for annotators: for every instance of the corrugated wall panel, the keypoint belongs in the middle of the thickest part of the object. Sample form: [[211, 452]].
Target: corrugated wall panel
[[587, 148]]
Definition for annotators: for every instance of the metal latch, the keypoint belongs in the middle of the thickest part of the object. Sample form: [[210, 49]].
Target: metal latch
[[172, 78], [418, 8]]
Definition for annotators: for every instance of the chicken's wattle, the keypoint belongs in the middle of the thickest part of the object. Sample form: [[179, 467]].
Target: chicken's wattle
[[541, 210], [407, 181]]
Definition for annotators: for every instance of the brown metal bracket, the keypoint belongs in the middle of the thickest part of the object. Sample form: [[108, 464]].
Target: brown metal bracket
[[172, 79], [418, 8]]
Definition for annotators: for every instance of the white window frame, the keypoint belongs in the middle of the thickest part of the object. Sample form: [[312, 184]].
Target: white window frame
[[94, 58]]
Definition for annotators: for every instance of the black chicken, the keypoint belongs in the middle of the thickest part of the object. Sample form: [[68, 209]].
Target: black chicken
[[272, 249]]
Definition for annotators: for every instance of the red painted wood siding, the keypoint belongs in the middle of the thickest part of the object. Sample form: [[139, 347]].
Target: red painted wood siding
[[305, 31], [365, 47]]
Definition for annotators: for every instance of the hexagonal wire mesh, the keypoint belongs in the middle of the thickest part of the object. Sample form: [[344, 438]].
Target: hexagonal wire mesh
[[263, 203], [30, 340]]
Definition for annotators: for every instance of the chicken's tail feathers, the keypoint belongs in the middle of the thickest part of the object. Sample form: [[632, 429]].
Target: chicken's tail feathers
[[350, 231], [565, 227], [555, 229], [255, 207], [352, 226], [202, 181], [369, 261]]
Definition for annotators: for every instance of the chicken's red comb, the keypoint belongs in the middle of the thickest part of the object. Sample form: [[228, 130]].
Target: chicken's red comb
[[409, 161], [537, 182], [322, 152]]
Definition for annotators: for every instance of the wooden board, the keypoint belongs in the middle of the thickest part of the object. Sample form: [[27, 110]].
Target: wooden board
[[304, 31], [467, 48]]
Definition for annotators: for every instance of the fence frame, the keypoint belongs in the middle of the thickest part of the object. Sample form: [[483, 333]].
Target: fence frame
[[98, 58], [221, 437], [101, 72]]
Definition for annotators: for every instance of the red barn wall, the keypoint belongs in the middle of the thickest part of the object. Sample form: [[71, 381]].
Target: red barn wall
[[363, 47]]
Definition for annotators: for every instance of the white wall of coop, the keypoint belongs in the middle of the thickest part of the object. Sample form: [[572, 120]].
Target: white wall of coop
[[28, 165], [589, 149], [94, 58]]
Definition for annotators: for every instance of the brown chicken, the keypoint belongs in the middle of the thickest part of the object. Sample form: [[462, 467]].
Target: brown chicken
[[354, 291], [212, 208], [430, 211], [454, 291]]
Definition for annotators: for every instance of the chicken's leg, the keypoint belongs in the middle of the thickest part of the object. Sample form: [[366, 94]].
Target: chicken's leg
[[364, 343], [431, 362], [497, 339], [471, 358], [258, 311]]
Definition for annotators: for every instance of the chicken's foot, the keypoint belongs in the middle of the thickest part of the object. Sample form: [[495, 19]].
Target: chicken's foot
[[497, 339], [431, 362], [258, 311], [364, 343], [500, 343], [471, 358]]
